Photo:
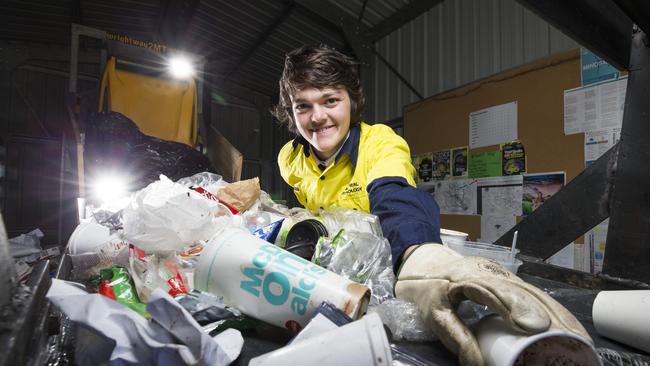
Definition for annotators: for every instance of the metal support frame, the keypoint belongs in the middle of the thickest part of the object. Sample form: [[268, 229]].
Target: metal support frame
[[576, 208], [134, 54], [628, 237], [618, 184], [599, 25]]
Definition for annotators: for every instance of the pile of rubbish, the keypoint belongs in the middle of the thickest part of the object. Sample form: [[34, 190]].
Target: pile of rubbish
[[175, 274]]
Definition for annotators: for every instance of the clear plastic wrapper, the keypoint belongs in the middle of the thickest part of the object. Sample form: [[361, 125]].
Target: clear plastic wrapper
[[212, 313], [87, 265], [209, 181], [403, 320], [153, 271], [267, 204], [335, 218], [364, 258], [402, 357], [610, 357]]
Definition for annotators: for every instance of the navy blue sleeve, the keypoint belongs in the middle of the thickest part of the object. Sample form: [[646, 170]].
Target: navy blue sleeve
[[407, 215]]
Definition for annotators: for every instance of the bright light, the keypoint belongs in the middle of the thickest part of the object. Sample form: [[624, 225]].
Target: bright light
[[180, 67], [109, 188]]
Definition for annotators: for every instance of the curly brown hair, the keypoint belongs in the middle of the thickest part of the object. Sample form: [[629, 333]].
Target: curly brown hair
[[319, 67]]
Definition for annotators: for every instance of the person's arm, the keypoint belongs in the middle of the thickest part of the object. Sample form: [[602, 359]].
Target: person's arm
[[408, 216]]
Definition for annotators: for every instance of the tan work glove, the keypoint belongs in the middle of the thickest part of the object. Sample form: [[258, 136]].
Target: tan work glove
[[437, 278]]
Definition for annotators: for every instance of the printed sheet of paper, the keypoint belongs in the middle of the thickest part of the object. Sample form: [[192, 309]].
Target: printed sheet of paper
[[457, 196], [581, 257], [492, 126], [598, 142], [499, 196], [493, 227], [564, 257], [596, 238], [594, 107]]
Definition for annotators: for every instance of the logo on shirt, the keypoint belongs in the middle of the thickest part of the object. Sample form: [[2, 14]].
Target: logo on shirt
[[351, 189]]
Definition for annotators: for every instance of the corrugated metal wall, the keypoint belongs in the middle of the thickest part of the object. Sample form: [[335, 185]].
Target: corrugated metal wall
[[455, 43]]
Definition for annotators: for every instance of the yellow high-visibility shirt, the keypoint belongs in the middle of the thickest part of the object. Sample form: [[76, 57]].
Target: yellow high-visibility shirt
[[162, 108], [369, 153]]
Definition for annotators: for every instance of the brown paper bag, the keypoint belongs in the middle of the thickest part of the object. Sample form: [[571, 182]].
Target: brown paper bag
[[241, 195]]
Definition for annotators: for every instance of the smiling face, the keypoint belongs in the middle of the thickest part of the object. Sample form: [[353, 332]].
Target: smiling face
[[322, 117]]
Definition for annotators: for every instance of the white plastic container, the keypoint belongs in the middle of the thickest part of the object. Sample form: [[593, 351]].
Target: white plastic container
[[452, 236], [360, 343], [87, 237], [271, 284], [502, 346], [502, 255], [624, 316]]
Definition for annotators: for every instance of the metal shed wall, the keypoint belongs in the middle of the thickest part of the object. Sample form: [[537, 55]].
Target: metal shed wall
[[455, 43]]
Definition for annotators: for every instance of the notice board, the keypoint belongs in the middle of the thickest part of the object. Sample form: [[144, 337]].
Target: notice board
[[442, 121]]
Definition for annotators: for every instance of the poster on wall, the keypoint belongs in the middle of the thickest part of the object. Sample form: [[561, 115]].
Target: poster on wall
[[493, 125], [441, 165], [594, 69], [459, 162], [513, 158], [486, 164], [538, 188], [499, 196], [423, 167], [453, 196]]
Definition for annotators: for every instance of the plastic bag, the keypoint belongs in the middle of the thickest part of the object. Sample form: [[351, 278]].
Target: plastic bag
[[364, 258], [166, 216], [403, 320], [114, 143], [153, 271], [335, 218], [209, 181]]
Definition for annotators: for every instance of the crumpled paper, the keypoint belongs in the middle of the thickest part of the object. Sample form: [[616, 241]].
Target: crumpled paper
[[166, 216], [171, 337], [241, 195], [26, 244]]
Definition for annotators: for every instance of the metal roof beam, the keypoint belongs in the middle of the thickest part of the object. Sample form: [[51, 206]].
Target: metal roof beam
[[173, 21], [352, 30], [263, 37], [401, 17], [598, 25], [638, 11]]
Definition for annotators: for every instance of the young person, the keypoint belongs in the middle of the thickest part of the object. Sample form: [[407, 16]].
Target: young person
[[338, 159]]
